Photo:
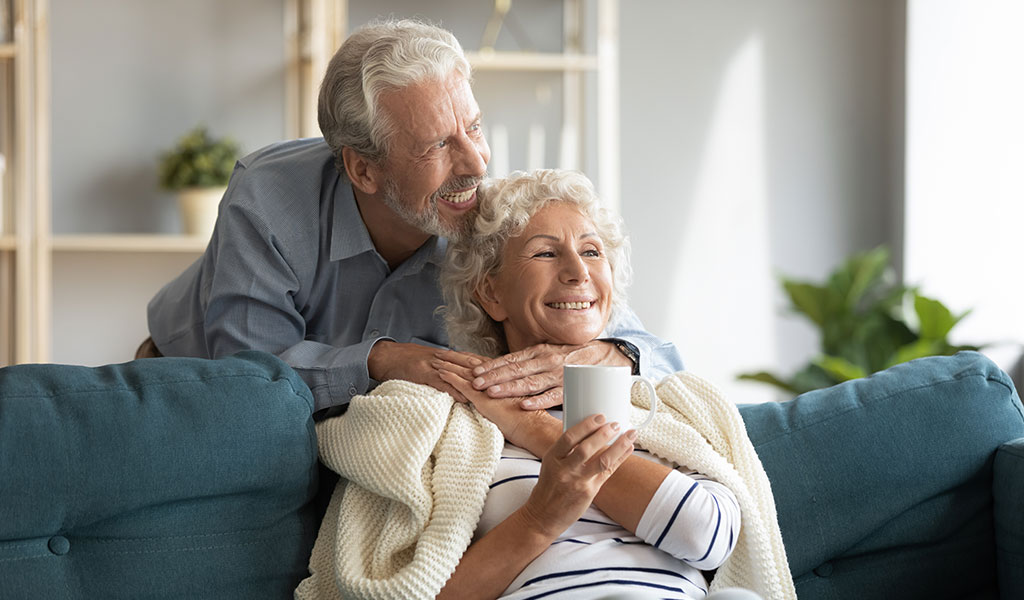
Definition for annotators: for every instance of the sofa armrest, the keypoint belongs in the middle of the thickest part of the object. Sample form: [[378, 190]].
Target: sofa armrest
[[161, 477], [1008, 495]]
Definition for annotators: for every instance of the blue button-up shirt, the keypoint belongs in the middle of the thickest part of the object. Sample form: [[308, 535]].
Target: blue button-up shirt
[[291, 270]]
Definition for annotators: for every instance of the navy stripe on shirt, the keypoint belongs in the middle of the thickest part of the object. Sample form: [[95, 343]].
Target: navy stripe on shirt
[[582, 520], [520, 458], [675, 514], [497, 483], [608, 582], [714, 535], [576, 572], [571, 541]]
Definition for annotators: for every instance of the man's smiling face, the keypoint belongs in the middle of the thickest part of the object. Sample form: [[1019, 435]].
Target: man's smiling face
[[437, 155]]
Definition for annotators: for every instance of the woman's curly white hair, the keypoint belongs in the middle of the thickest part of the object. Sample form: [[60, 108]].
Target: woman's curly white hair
[[505, 208]]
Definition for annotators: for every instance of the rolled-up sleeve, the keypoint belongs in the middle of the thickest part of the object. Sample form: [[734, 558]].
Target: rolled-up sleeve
[[658, 358]]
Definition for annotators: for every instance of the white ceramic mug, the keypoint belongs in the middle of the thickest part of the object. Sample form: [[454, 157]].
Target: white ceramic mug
[[593, 389]]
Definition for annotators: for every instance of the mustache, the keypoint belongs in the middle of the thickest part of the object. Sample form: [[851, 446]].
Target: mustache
[[458, 183]]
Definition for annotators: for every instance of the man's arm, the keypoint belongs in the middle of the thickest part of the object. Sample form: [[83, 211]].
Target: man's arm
[[658, 358], [258, 287]]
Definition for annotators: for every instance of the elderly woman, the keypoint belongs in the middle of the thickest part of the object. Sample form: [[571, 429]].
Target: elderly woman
[[548, 264], [437, 498]]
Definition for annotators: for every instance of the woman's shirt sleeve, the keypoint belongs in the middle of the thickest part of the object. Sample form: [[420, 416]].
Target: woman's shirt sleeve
[[693, 518]]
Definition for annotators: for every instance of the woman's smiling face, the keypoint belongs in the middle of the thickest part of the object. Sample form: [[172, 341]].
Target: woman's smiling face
[[554, 285]]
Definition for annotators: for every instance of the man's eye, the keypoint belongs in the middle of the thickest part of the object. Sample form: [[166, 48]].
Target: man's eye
[[475, 127], [441, 144]]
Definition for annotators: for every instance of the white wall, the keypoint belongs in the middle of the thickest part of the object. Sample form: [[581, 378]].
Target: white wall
[[965, 164], [129, 78], [758, 137], [125, 86]]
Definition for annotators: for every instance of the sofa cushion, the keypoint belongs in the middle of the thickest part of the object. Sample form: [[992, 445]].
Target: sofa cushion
[[169, 477], [1008, 491], [883, 484]]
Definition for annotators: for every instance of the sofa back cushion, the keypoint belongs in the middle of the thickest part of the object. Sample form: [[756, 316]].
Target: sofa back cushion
[[169, 477], [884, 485]]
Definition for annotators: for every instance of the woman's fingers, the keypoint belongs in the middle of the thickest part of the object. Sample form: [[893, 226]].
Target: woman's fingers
[[463, 359], [461, 385], [548, 399], [464, 372], [581, 441], [611, 458], [592, 445]]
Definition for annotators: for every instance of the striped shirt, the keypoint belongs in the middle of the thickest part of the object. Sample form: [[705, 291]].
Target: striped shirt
[[689, 526]]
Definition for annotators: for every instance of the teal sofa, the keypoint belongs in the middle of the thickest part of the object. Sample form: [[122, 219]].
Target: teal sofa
[[187, 478]]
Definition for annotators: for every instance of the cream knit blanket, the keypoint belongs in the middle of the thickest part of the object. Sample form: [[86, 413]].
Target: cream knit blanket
[[416, 467]]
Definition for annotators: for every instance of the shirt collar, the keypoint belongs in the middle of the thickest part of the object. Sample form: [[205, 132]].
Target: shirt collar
[[430, 253], [349, 236]]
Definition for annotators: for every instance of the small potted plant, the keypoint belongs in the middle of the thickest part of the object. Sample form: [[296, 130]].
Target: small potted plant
[[198, 169]]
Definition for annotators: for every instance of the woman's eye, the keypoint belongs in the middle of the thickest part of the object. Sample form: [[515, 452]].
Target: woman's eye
[[592, 253], [474, 128], [544, 254]]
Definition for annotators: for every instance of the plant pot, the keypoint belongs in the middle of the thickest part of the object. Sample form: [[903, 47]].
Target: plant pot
[[199, 209]]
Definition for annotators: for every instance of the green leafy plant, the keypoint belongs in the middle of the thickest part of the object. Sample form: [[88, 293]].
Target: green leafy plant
[[868, 323], [198, 160]]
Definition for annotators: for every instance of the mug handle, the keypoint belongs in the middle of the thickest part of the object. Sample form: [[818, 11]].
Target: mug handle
[[654, 400]]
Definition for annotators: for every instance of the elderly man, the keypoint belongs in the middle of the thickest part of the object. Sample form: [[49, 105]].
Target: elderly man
[[326, 252]]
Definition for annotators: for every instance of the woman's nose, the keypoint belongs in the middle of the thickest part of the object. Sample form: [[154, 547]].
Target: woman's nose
[[574, 270]]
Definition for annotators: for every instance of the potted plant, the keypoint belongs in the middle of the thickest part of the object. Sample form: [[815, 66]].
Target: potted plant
[[198, 169], [868, 322]]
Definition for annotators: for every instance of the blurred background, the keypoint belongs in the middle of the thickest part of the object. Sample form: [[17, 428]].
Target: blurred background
[[740, 140]]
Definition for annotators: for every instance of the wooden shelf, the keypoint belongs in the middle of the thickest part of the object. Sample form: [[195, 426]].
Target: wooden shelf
[[531, 61], [8, 50], [128, 243], [8, 242]]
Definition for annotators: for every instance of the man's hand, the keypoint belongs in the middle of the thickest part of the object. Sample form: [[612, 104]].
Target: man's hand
[[411, 362], [536, 372]]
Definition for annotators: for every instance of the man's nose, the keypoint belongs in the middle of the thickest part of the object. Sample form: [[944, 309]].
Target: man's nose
[[472, 157]]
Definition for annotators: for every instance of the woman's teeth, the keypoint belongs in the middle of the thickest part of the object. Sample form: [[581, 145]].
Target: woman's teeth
[[570, 305], [459, 197]]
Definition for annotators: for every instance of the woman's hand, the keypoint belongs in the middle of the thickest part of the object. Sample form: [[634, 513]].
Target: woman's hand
[[570, 474], [533, 430], [573, 472]]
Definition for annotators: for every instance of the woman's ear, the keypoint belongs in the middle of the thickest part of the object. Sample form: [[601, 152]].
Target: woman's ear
[[485, 295], [363, 173]]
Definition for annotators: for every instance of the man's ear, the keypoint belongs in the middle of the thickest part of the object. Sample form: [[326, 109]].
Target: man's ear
[[363, 173], [488, 300]]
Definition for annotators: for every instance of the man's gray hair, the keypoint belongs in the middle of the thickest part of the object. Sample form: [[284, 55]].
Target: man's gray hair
[[505, 208], [378, 57]]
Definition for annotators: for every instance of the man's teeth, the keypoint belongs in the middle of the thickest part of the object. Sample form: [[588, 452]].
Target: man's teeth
[[570, 305], [459, 197]]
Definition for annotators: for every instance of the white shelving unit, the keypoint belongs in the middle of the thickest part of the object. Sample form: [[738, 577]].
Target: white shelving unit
[[23, 237], [313, 31], [129, 243]]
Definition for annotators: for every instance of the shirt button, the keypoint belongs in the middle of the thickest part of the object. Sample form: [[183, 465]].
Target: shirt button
[[824, 570], [352, 391], [374, 333], [59, 545]]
